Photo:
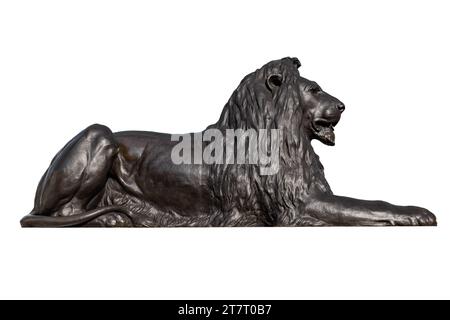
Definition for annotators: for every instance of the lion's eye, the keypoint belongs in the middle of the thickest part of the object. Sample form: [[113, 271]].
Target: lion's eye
[[314, 89]]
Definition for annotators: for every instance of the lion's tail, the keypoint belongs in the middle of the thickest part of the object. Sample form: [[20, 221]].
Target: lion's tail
[[33, 220]]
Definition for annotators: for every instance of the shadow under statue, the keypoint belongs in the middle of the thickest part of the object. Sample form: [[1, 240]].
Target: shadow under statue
[[128, 179]]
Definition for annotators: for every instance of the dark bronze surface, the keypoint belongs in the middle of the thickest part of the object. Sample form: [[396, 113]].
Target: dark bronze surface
[[128, 179]]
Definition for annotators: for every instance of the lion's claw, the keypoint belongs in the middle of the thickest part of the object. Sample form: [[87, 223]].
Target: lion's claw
[[114, 220]]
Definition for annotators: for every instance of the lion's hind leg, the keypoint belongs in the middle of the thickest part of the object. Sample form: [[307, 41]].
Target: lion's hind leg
[[73, 183]]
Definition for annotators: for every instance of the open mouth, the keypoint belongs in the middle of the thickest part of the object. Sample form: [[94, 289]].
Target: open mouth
[[324, 130]]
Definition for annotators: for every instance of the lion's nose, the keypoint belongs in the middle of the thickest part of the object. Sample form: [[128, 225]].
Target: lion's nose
[[340, 107]]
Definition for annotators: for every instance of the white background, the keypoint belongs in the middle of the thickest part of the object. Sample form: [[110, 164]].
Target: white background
[[170, 66]]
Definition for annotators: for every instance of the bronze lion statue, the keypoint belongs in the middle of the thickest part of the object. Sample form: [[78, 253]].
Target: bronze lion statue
[[130, 179]]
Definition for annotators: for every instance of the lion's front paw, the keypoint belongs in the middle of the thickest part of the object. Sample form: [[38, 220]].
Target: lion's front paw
[[415, 216]]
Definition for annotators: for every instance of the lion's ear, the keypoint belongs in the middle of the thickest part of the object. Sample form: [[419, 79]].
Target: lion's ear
[[274, 81], [296, 62]]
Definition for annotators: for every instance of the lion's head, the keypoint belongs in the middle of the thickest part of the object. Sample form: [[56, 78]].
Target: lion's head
[[276, 96]]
